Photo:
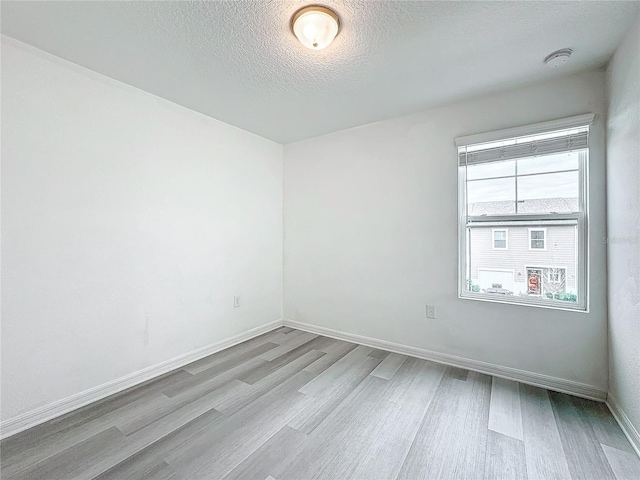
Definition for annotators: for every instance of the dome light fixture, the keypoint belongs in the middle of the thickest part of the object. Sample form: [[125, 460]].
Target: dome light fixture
[[315, 26], [558, 58]]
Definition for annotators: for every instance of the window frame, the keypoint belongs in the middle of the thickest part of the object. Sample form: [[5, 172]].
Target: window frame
[[506, 238], [544, 239], [579, 219]]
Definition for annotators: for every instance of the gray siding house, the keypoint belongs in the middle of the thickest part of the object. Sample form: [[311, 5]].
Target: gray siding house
[[526, 260]]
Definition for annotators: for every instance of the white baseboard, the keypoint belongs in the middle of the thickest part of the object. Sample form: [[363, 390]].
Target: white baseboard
[[47, 412], [625, 424], [531, 378]]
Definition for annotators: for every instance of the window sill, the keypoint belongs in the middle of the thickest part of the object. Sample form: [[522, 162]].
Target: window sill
[[524, 301]]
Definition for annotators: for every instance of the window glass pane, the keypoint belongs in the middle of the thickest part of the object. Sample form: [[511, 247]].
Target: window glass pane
[[499, 239], [550, 275], [548, 163], [537, 239], [492, 169], [548, 193], [492, 197]]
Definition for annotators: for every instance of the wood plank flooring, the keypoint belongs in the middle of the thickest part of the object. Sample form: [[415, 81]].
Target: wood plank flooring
[[291, 405]]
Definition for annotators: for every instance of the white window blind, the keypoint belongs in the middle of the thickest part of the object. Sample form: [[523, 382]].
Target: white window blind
[[530, 146], [545, 138]]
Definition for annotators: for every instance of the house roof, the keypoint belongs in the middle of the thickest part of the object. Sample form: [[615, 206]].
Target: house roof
[[537, 205]]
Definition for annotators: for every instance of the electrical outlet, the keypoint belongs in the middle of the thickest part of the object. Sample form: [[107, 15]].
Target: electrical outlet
[[431, 311], [236, 301]]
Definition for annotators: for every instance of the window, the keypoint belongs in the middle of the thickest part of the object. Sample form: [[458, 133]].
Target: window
[[537, 238], [525, 190], [500, 239]]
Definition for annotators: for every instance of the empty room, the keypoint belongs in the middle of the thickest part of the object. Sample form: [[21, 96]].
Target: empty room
[[287, 240]]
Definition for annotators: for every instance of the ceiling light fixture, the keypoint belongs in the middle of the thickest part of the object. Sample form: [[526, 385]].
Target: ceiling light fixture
[[315, 26], [558, 58]]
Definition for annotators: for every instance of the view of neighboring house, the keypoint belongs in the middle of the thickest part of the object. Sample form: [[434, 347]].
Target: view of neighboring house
[[535, 260]]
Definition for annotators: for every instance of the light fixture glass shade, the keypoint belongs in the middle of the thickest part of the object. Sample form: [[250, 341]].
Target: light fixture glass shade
[[315, 26]]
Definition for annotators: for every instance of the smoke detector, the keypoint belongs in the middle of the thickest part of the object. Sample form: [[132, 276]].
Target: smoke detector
[[558, 58]]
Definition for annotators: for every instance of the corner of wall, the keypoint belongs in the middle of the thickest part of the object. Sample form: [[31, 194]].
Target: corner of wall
[[623, 224]]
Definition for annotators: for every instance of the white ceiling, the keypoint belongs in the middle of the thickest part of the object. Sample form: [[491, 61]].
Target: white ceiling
[[238, 61]]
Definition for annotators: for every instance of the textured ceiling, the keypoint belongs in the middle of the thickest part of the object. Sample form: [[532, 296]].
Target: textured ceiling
[[237, 61]]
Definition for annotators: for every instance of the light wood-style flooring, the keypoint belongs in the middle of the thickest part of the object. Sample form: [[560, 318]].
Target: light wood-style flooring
[[294, 405]]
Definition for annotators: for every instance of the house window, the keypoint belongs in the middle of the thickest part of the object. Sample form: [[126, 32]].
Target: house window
[[537, 238], [525, 189], [500, 239]]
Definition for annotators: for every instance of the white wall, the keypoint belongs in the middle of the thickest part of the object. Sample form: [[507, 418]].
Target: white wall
[[370, 222], [128, 224], [623, 222]]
